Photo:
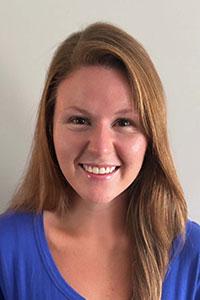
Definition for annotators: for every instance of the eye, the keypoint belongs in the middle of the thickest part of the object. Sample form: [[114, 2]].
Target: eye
[[77, 120], [124, 122], [126, 125]]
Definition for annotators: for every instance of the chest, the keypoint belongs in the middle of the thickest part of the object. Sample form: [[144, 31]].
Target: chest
[[94, 272]]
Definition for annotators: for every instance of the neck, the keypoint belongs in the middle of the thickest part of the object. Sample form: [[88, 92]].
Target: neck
[[97, 221]]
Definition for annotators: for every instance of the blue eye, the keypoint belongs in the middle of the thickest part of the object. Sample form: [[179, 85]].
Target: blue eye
[[76, 120]]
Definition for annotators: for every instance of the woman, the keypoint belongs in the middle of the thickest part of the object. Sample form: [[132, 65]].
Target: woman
[[100, 213]]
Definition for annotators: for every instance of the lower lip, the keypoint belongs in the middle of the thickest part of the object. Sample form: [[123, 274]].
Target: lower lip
[[100, 176]]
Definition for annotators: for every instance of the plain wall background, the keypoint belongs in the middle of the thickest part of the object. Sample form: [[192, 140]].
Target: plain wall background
[[30, 31]]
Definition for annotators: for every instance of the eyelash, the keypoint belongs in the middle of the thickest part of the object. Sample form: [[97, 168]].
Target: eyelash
[[76, 120], [126, 121], [82, 121]]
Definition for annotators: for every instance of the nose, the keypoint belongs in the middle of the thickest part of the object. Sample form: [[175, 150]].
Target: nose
[[101, 140]]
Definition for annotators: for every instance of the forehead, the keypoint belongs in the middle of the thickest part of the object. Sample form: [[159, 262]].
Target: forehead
[[95, 87]]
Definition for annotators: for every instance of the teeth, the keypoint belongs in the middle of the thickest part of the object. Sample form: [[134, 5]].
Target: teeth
[[96, 170]]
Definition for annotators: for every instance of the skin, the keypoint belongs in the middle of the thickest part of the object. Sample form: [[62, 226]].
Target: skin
[[106, 133]]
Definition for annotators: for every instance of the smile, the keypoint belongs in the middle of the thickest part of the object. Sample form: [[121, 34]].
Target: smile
[[99, 170]]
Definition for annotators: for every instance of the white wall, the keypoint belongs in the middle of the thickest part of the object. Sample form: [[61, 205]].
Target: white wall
[[31, 30]]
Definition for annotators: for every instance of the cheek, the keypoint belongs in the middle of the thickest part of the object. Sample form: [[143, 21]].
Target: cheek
[[62, 141], [67, 146], [139, 145], [63, 146], [136, 148]]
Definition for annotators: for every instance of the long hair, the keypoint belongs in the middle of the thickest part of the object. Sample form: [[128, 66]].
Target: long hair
[[157, 211]]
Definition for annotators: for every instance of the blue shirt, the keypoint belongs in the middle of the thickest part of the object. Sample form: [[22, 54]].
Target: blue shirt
[[28, 271]]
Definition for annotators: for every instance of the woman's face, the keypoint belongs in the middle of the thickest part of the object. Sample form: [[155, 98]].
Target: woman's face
[[97, 136]]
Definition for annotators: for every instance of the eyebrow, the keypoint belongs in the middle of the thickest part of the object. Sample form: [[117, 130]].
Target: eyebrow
[[84, 111]]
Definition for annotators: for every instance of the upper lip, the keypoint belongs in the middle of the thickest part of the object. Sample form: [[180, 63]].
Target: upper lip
[[105, 165]]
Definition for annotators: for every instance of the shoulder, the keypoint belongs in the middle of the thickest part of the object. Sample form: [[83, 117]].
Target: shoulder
[[192, 242], [183, 274], [16, 229], [188, 243], [14, 221], [186, 249], [17, 239]]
